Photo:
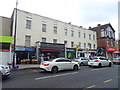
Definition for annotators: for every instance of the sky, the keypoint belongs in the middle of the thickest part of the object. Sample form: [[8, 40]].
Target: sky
[[79, 12]]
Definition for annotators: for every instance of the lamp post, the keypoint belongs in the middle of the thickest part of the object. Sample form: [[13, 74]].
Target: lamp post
[[14, 54]]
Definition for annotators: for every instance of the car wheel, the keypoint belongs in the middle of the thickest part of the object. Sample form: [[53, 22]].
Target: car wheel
[[110, 64], [54, 70], [90, 66], [81, 64], [99, 65], [75, 67]]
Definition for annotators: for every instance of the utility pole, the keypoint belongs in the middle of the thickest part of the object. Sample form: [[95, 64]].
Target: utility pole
[[14, 54]]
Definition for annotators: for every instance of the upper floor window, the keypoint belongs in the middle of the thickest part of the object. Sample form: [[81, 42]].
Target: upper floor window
[[84, 35], [55, 29], [72, 44], [27, 40], [102, 33], [94, 46], [89, 45], [28, 24], [54, 40], [43, 39], [93, 37], [89, 36], [44, 27], [72, 33], [79, 34], [65, 42], [79, 44], [84, 45], [65, 31]]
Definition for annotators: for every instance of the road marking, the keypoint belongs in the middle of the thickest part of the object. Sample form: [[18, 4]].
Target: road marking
[[55, 76], [107, 81], [92, 86], [98, 69]]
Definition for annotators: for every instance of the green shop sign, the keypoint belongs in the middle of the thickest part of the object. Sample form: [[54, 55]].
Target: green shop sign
[[6, 39], [70, 50]]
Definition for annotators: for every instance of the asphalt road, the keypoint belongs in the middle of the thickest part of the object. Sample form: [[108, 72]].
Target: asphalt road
[[105, 77]]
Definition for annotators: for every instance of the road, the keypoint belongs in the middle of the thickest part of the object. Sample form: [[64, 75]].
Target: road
[[105, 77]]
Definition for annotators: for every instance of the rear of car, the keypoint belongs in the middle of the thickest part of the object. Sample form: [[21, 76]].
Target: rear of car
[[116, 60], [4, 70], [99, 61]]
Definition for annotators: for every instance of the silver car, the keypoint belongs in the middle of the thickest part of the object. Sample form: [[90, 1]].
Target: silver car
[[81, 61], [4, 71]]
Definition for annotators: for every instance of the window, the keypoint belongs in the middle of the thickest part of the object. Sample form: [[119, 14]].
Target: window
[[44, 27], [89, 36], [94, 46], [93, 37], [89, 45], [84, 35], [72, 33], [102, 33], [43, 39], [79, 34], [79, 44], [28, 24], [54, 40], [65, 42], [27, 40], [84, 45], [72, 44], [55, 29], [65, 30]]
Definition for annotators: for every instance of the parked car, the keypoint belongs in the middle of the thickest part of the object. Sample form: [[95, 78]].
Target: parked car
[[99, 61], [57, 64], [81, 61], [4, 71], [116, 60]]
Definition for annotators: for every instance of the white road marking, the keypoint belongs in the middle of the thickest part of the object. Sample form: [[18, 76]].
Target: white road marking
[[55, 76], [106, 81], [91, 86]]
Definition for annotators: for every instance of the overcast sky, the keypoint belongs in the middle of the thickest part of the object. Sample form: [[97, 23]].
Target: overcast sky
[[79, 12]]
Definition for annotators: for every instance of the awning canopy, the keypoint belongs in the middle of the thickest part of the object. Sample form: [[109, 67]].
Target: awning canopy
[[117, 52]]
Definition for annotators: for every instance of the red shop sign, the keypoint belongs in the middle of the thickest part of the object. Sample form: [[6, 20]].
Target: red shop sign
[[111, 49]]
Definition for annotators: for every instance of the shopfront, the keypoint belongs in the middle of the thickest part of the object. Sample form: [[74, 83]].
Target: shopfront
[[52, 50], [110, 52], [70, 53], [25, 55]]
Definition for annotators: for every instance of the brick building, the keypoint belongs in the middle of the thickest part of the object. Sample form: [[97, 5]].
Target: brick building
[[105, 40]]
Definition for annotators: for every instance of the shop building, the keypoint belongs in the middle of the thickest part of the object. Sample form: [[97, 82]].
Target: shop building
[[5, 40], [55, 37], [105, 40]]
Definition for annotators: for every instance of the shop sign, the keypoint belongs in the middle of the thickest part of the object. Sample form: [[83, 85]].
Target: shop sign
[[111, 49], [19, 49], [71, 50], [29, 49]]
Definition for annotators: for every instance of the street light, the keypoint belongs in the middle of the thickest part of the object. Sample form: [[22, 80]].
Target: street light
[[14, 55]]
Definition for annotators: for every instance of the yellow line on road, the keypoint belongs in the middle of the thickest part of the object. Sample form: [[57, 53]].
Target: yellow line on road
[[106, 81]]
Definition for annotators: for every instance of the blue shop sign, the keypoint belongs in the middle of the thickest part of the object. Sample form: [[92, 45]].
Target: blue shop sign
[[19, 49], [29, 49]]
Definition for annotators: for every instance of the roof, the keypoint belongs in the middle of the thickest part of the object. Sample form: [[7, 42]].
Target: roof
[[103, 27]]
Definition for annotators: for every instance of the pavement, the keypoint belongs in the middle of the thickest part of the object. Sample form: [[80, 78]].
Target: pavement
[[25, 66]]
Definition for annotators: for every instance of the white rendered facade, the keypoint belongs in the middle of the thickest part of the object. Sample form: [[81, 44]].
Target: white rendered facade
[[37, 34]]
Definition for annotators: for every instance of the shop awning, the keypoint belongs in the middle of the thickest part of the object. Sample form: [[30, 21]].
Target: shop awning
[[117, 52], [6, 39]]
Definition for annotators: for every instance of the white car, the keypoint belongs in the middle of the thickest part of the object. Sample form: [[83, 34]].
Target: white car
[[81, 61], [4, 71], [99, 61], [116, 60], [55, 65]]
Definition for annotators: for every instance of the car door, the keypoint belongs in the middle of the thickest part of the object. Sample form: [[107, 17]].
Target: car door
[[60, 63], [104, 61], [68, 64], [85, 61]]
